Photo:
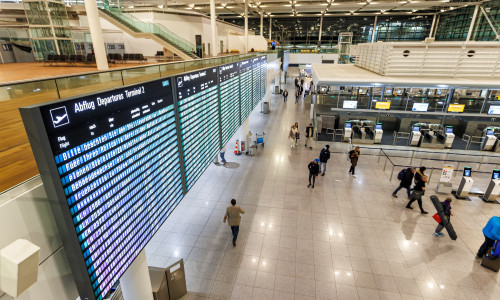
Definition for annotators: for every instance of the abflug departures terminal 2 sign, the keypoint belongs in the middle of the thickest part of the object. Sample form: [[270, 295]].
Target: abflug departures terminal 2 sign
[[109, 163]]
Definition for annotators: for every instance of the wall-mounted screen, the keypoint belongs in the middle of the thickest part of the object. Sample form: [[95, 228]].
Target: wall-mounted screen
[[494, 110], [198, 103], [350, 104], [456, 108], [245, 68], [382, 105], [256, 82], [420, 107], [229, 100], [109, 163]]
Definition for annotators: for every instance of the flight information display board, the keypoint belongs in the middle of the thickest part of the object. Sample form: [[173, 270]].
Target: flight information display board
[[198, 104], [263, 76], [229, 100], [256, 82], [109, 163], [246, 100]]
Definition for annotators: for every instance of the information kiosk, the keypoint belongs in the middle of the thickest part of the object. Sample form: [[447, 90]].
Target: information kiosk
[[489, 139], [493, 189], [378, 133], [465, 183], [347, 131], [415, 135], [449, 136]]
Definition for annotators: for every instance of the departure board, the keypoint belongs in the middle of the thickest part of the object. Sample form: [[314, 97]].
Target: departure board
[[198, 105], [229, 100], [246, 100], [110, 165], [263, 76], [256, 81]]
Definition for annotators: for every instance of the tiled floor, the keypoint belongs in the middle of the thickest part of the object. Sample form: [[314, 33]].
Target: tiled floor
[[345, 239]]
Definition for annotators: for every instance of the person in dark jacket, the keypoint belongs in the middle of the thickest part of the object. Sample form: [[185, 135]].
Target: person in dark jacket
[[297, 95], [324, 156], [418, 191], [296, 81], [309, 135], [285, 95], [313, 171], [354, 156], [447, 213], [405, 182], [491, 234]]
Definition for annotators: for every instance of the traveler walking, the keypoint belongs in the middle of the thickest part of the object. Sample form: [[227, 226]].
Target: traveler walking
[[298, 132], [309, 135], [406, 180], [293, 136], [222, 153], [313, 171], [447, 213], [297, 95], [296, 81], [491, 234], [233, 218], [354, 156], [285, 95], [418, 191], [324, 156]]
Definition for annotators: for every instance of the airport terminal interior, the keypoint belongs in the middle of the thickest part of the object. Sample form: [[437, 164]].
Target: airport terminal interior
[[129, 126]]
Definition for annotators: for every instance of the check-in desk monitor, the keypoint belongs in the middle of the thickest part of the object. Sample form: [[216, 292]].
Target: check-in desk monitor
[[466, 183], [415, 136], [347, 131], [493, 189]]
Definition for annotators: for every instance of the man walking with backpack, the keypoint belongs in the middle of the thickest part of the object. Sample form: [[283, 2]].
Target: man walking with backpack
[[406, 178], [313, 171], [309, 135], [324, 156]]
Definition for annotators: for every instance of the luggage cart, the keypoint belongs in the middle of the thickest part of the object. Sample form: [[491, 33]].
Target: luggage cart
[[259, 140]]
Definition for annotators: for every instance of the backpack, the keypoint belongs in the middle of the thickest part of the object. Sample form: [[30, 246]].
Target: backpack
[[495, 250], [401, 174]]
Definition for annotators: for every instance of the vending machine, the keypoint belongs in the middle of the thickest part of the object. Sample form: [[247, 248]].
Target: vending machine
[[465, 183], [377, 139], [347, 131], [493, 189], [489, 139], [415, 135], [449, 136]]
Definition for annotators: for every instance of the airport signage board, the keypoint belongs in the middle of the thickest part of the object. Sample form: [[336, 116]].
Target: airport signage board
[[109, 163], [420, 107], [382, 105], [350, 104], [456, 108], [494, 110]]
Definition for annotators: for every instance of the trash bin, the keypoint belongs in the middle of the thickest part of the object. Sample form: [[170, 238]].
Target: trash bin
[[265, 107], [277, 90], [159, 285], [176, 280]]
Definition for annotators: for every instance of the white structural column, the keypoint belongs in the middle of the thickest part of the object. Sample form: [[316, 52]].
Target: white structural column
[[262, 23], [432, 26], [270, 27], [246, 26], [96, 35], [471, 27], [374, 29], [213, 28], [320, 30], [135, 282], [436, 26]]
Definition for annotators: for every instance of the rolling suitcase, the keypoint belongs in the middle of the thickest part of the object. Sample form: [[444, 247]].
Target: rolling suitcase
[[447, 224], [490, 262]]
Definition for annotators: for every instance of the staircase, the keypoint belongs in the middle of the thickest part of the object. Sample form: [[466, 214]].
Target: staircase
[[154, 31]]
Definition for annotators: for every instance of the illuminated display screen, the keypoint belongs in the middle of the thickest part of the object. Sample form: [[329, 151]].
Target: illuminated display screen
[[495, 174], [198, 105], [420, 107], [229, 100], [256, 81], [246, 100], [494, 110], [449, 129], [378, 126], [263, 76], [347, 125], [350, 104], [111, 162]]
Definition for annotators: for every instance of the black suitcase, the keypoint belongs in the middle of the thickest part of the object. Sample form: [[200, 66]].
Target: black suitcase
[[490, 262], [446, 223]]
